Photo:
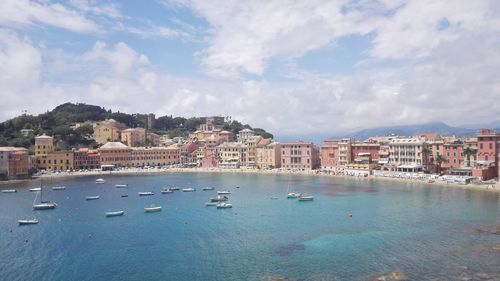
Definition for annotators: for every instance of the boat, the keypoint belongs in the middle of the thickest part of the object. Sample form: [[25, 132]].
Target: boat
[[293, 195], [223, 192], [9, 191], [208, 188], [145, 193], [168, 190], [100, 181], [306, 198], [115, 213], [218, 199], [188, 189], [121, 185], [25, 222], [152, 209], [208, 204], [35, 189], [274, 198], [124, 195], [92, 197], [223, 205], [43, 205], [58, 188], [175, 188]]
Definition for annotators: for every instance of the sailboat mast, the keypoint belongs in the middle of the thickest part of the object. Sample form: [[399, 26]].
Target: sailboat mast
[[41, 191]]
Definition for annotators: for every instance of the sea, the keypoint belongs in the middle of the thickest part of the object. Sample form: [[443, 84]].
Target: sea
[[352, 230]]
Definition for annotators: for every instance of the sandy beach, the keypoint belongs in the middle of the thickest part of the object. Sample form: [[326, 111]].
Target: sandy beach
[[137, 171]]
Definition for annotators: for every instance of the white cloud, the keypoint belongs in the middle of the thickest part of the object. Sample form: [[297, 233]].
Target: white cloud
[[109, 10], [31, 13]]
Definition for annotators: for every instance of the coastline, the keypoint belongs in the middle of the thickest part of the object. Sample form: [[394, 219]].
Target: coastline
[[136, 171]]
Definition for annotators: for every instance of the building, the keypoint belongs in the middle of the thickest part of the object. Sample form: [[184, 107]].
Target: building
[[147, 120], [14, 162], [248, 156], [408, 154], [488, 148], [134, 137], [210, 158], [85, 158], [453, 155], [107, 131], [245, 134], [119, 155], [211, 123], [362, 149], [230, 155], [344, 151], [329, 154], [153, 139], [43, 146], [60, 160], [299, 156], [268, 156], [115, 154]]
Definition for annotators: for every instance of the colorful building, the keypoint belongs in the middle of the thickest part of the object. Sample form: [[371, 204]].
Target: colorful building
[[134, 137], [329, 154], [119, 155], [85, 158], [14, 162], [408, 154], [268, 156], [107, 131], [300, 156], [59, 160], [230, 155], [488, 148]]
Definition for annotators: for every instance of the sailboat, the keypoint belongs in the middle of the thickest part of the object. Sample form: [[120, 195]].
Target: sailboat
[[44, 205]]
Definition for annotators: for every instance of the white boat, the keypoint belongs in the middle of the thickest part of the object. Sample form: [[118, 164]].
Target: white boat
[[208, 188], [100, 181], [9, 191], [92, 197], [223, 192], [121, 185], [306, 198], [175, 188], [58, 188], [168, 190], [188, 189], [30, 221], [115, 214], [219, 198], [145, 193], [44, 206], [293, 195], [211, 204], [223, 205], [35, 189], [152, 209]]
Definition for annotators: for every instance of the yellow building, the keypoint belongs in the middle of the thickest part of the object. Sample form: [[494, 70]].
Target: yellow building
[[268, 155], [106, 132], [230, 154], [43, 145], [119, 155], [59, 160]]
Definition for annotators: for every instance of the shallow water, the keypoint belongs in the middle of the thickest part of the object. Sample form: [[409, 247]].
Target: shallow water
[[426, 232]]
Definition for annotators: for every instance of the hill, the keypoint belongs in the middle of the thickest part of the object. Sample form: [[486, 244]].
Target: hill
[[58, 122], [410, 130]]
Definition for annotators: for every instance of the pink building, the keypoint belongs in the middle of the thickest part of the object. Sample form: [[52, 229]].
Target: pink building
[[365, 148], [226, 136], [210, 159], [85, 158], [453, 155], [153, 139], [299, 155], [488, 148], [329, 154], [134, 137]]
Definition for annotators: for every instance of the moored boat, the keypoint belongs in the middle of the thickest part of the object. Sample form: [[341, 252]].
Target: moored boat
[[124, 195], [44, 206], [306, 198], [293, 195], [208, 204], [115, 213], [223, 205], [121, 185], [208, 188], [223, 192], [145, 193], [9, 191], [168, 190], [58, 188], [152, 209], [219, 198], [188, 189], [175, 188], [29, 221], [100, 181], [92, 197], [35, 189]]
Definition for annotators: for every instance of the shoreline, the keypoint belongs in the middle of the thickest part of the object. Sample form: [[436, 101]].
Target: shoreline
[[135, 171]]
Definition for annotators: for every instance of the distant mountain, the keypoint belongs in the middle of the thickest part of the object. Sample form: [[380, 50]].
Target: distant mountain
[[411, 130]]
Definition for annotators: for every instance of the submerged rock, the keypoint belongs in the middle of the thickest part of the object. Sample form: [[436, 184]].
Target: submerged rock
[[395, 275]]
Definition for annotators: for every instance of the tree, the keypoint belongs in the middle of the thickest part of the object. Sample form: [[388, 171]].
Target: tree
[[438, 161], [468, 151]]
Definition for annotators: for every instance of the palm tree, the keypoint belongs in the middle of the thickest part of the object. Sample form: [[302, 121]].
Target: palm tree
[[468, 153], [425, 154], [438, 161]]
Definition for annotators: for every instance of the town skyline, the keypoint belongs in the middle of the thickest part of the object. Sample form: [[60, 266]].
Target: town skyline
[[321, 65]]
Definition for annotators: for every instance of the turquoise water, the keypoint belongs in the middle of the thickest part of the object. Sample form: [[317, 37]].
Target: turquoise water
[[427, 232]]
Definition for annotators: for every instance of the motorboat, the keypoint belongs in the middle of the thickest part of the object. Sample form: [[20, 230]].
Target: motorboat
[[58, 188], [44, 206], [29, 221], [223, 205], [188, 189], [175, 188], [208, 188], [100, 181], [293, 195], [152, 209], [145, 193], [121, 185], [124, 195], [168, 190], [92, 197], [219, 198], [9, 191], [223, 192], [306, 198], [35, 189], [209, 204], [115, 213]]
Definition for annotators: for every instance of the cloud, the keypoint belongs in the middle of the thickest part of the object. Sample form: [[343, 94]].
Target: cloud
[[20, 13], [110, 10]]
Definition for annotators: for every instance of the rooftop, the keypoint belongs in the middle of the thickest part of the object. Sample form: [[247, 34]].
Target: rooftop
[[113, 145]]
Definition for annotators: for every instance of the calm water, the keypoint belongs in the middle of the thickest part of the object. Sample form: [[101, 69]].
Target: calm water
[[427, 232]]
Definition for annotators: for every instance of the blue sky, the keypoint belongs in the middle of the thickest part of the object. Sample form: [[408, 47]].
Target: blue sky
[[293, 67]]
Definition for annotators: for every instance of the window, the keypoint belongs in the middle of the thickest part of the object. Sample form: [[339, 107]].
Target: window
[[480, 146], [491, 146]]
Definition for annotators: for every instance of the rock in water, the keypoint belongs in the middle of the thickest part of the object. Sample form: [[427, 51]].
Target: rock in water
[[395, 275]]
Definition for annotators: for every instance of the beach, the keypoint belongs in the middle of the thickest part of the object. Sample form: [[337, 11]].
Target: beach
[[424, 179]]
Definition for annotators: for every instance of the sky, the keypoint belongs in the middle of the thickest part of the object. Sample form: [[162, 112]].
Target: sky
[[291, 67]]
